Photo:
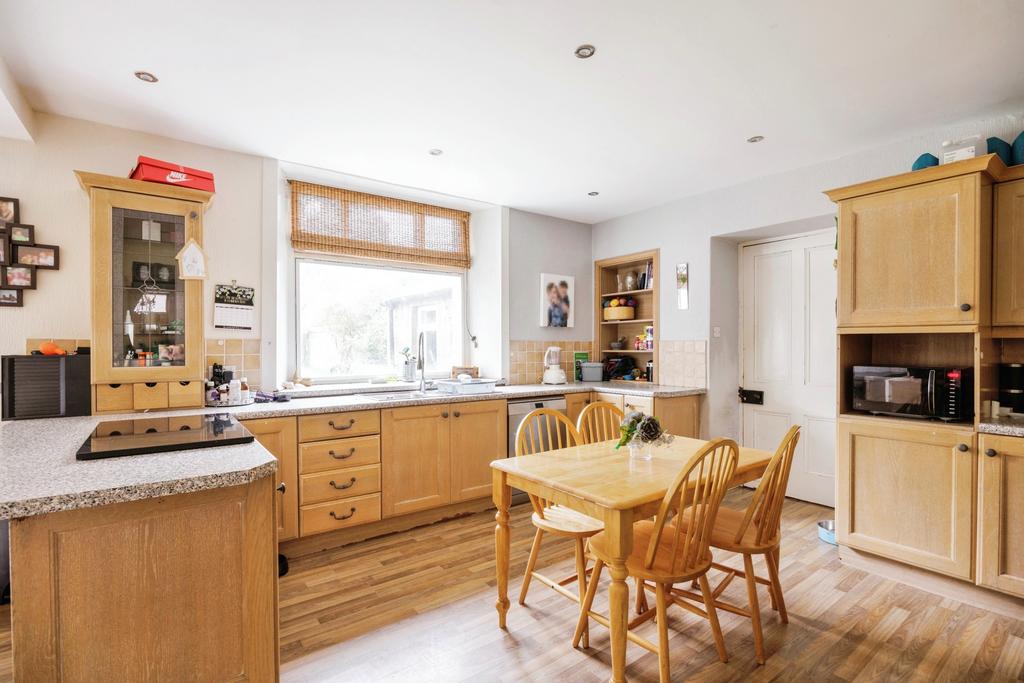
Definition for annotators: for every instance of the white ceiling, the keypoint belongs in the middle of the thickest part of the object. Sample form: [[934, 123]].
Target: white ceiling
[[661, 111]]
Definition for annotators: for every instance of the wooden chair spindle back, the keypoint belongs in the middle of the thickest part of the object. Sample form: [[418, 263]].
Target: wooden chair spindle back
[[599, 421], [544, 429], [765, 509]]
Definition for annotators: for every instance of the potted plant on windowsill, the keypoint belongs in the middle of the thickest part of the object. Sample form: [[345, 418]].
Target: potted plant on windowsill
[[641, 433], [408, 365]]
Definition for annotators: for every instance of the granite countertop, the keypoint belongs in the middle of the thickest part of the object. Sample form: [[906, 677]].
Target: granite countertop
[[1003, 426], [39, 473]]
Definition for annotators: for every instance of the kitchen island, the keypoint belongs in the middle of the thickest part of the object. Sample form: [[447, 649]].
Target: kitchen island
[[150, 563]]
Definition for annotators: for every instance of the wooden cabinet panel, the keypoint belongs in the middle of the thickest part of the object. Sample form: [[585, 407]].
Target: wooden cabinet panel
[[185, 394], [643, 404], [415, 460], [340, 514], [320, 456], [337, 484], [575, 403], [277, 435], [149, 395], [679, 415], [911, 256], [614, 399], [181, 588], [1001, 514], [112, 397], [479, 435], [1008, 255], [337, 425], [906, 493]]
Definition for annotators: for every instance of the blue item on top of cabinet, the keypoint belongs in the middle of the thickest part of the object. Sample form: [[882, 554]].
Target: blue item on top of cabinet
[[1018, 150], [1002, 149], [924, 161]]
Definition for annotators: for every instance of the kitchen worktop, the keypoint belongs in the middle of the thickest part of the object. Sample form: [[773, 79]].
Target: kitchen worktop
[[39, 473], [1003, 426]]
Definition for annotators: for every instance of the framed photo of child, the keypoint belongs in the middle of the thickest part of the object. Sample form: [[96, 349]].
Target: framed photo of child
[[557, 300]]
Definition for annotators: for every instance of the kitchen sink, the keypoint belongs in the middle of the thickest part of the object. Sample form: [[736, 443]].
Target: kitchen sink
[[398, 395]]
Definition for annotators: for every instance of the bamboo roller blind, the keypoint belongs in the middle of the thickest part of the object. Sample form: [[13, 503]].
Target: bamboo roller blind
[[330, 220]]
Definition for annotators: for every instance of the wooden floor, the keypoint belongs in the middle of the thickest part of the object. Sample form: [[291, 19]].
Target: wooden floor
[[419, 606]]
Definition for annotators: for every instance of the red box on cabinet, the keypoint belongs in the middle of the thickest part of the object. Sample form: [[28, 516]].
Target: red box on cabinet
[[157, 171]]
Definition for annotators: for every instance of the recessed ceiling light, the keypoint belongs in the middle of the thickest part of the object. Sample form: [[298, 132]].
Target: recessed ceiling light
[[435, 152], [593, 194], [585, 51], [146, 76], [755, 138]]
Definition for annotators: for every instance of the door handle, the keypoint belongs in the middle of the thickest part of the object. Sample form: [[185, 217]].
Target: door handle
[[282, 487], [341, 517], [342, 487], [351, 421], [963, 448]]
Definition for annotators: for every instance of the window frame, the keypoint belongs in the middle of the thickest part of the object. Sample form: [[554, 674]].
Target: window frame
[[379, 265]]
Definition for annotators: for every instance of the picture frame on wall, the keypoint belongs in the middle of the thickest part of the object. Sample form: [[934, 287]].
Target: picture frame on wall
[[42, 256], [11, 297], [21, 234], [9, 210], [18, 277], [557, 294], [5, 248]]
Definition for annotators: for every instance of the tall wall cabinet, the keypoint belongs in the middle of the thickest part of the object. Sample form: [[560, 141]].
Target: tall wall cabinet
[[931, 273], [147, 335]]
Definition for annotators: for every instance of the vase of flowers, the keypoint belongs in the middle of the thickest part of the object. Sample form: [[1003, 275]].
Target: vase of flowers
[[641, 433], [408, 365]]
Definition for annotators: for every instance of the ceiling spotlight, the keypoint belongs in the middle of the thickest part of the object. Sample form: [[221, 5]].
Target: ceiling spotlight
[[435, 152], [755, 138], [585, 51], [593, 194], [146, 77]]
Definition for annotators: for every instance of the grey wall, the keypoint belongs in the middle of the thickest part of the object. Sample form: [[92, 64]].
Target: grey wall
[[542, 244]]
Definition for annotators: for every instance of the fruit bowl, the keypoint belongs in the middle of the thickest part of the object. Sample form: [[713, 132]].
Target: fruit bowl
[[619, 313]]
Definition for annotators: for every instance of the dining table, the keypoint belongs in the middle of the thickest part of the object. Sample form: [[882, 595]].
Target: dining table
[[607, 484]]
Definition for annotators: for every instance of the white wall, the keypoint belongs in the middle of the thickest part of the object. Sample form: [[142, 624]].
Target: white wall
[[487, 291], [683, 231], [542, 244], [40, 174]]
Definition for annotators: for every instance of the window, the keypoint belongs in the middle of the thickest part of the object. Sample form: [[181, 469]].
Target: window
[[354, 320]]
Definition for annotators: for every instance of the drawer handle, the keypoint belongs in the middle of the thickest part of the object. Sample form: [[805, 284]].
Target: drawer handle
[[185, 383], [282, 487], [114, 386], [457, 413], [184, 428], [346, 456], [342, 487], [963, 448], [965, 307], [342, 517], [444, 414], [351, 421], [991, 452], [150, 384]]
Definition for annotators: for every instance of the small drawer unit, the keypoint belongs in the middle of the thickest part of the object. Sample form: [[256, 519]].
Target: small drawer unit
[[339, 425], [113, 397], [643, 404], [149, 395], [341, 514], [335, 484], [321, 456], [185, 394]]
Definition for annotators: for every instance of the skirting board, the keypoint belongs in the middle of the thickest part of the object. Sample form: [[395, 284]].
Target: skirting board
[[336, 539], [947, 587]]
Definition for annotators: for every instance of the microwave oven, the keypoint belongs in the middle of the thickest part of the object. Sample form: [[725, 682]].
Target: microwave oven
[[45, 386], [942, 393]]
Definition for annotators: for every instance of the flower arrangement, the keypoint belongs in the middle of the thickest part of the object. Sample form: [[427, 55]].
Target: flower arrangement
[[637, 428]]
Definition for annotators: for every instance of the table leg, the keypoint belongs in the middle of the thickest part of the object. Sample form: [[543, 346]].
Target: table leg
[[502, 496], [619, 531]]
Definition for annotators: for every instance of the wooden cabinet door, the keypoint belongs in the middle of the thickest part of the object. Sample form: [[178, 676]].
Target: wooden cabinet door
[[906, 491], [278, 435], [614, 399], [415, 459], [910, 256], [1008, 252], [1001, 514], [679, 415], [479, 435], [642, 404], [575, 403]]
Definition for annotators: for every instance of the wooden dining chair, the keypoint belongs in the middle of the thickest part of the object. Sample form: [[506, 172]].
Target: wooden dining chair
[[599, 421], [666, 552], [545, 429], [757, 530]]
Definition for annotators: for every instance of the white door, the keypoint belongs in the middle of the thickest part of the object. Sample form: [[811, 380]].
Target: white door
[[788, 291]]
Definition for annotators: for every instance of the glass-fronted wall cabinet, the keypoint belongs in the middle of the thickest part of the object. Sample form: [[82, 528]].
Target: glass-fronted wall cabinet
[[147, 321]]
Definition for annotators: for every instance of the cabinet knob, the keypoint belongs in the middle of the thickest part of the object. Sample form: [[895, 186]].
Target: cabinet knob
[[991, 452], [281, 487], [965, 307], [963, 448], [456, 413], [444, 414]]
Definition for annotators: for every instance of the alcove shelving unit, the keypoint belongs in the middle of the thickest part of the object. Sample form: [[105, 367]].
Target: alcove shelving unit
[[609, 276]]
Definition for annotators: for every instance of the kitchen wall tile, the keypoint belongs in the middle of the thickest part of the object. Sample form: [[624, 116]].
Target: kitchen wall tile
[[682, 363], [234, 346], [244, 354], [250, 346], [526, 358]]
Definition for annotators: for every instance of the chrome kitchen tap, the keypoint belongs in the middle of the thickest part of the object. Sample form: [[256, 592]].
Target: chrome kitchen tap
[[421, 363]]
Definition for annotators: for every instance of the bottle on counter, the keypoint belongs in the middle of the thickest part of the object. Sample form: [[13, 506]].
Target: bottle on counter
[[212, 395], [234, 391], [245, 390]]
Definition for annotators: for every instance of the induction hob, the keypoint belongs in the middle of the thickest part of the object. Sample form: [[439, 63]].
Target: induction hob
[[138, 436]]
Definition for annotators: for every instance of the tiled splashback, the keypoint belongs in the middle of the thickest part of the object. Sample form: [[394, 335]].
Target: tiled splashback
[[244, 354], [683, 363], [526, 364]]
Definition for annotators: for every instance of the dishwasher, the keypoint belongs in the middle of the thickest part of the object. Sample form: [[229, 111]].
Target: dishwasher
[[517, 410]]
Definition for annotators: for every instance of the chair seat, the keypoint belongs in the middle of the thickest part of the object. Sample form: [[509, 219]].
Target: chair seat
[[727, 523], [567, 522], [662, 570]]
